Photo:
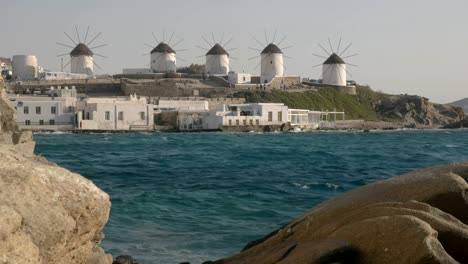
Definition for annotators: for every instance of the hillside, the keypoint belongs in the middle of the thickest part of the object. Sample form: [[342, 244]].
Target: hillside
[[463, 103], [367, 104]]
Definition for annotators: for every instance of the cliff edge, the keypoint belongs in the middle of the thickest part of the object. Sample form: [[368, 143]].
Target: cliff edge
[[419, 217], [47, 214]]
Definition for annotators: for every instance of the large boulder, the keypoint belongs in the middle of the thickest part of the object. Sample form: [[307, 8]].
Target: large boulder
[[419, 217], [48, 214]]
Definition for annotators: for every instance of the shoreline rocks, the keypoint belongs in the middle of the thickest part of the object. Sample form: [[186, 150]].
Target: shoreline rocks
[[419, 217]]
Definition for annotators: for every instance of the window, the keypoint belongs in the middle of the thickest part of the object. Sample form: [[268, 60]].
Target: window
[[41, 122], [51, 122], [26, 110], [38, 110], [53, 110], [107, 115], [230, 122], [280, 116], [142, 115], [244, 122], [237, 122], [270, 116], [27, 122], [121, 117], [251, 122], [70, 109], [257, 122]]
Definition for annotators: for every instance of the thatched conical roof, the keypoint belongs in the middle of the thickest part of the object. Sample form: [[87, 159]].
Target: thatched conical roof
[[271, 48], [163, 48], [334, 59], [217, 50], [81, 49]]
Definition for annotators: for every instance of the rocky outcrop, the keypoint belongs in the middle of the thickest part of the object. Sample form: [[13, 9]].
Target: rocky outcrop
[[417, 110], [47, 214], [420, 217]]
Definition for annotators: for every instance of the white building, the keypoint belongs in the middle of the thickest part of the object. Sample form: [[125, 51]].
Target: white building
[[82, 60], [118, 114], [24, 67], [182, 105], [271, 64], [217, 61], [62, 76], [334, 71], [51, 113], [239, 78], [163, 59], [258, 114]]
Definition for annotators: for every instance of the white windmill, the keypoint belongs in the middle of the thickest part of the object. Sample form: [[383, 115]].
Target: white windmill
[[82, 56], [334, 70], [163, 56], [217, 58], [271, 59]]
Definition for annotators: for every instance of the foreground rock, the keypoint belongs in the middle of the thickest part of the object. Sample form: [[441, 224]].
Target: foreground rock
[[420, 217], [47, 214]]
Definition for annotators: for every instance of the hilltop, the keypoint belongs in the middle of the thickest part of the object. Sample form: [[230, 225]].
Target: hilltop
[[367, 105], [463, 103]]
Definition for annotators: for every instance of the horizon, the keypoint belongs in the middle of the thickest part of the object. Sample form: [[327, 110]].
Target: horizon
[[403, 48]]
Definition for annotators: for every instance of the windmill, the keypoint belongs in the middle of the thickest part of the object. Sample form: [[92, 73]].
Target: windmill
[[271, 58], [81, 55], [334, 70], [217, 56], [163, 56]]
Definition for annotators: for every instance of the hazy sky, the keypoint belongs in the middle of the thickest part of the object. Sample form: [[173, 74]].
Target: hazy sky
[[415, 47]]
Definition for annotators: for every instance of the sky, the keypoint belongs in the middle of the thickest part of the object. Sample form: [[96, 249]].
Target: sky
[[404, 47]]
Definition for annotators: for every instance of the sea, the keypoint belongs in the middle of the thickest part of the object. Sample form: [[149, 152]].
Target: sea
[[203, 196]]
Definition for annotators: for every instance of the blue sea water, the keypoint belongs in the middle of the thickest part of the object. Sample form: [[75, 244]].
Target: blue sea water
[[202, 196]]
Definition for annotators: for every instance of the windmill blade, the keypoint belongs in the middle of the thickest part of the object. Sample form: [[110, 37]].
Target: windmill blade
[[287, 47], [207, 42], [154, 36], [96, 64], [339, 44], [324, 49], [254, 57], [323, 73], [200, 56], [100, 46], [200, 47], [350, 56], [61, 55], [331, 47], [222, 38], [148, 45], [261, 45], [352, 65], [212, 35], [94, 38], [102, 56], [178, 50], [86, 36], [274, 36], [180, 59], [175, 44], [234, 58], [261, 61], [146, 54], [67, 63], [346, 49], [288, 57], [281, 63], [231, 49], [281, 41], [229, 41], [77, 35], [320, 56], [65, 45], [172, 35], [346, 70], [70, 38], [255, 49], [266, 38], [317, 65]]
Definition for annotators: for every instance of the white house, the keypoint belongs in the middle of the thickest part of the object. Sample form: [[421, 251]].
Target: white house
[[237, 77], [46, 112], [118, 114], [182, 105]]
